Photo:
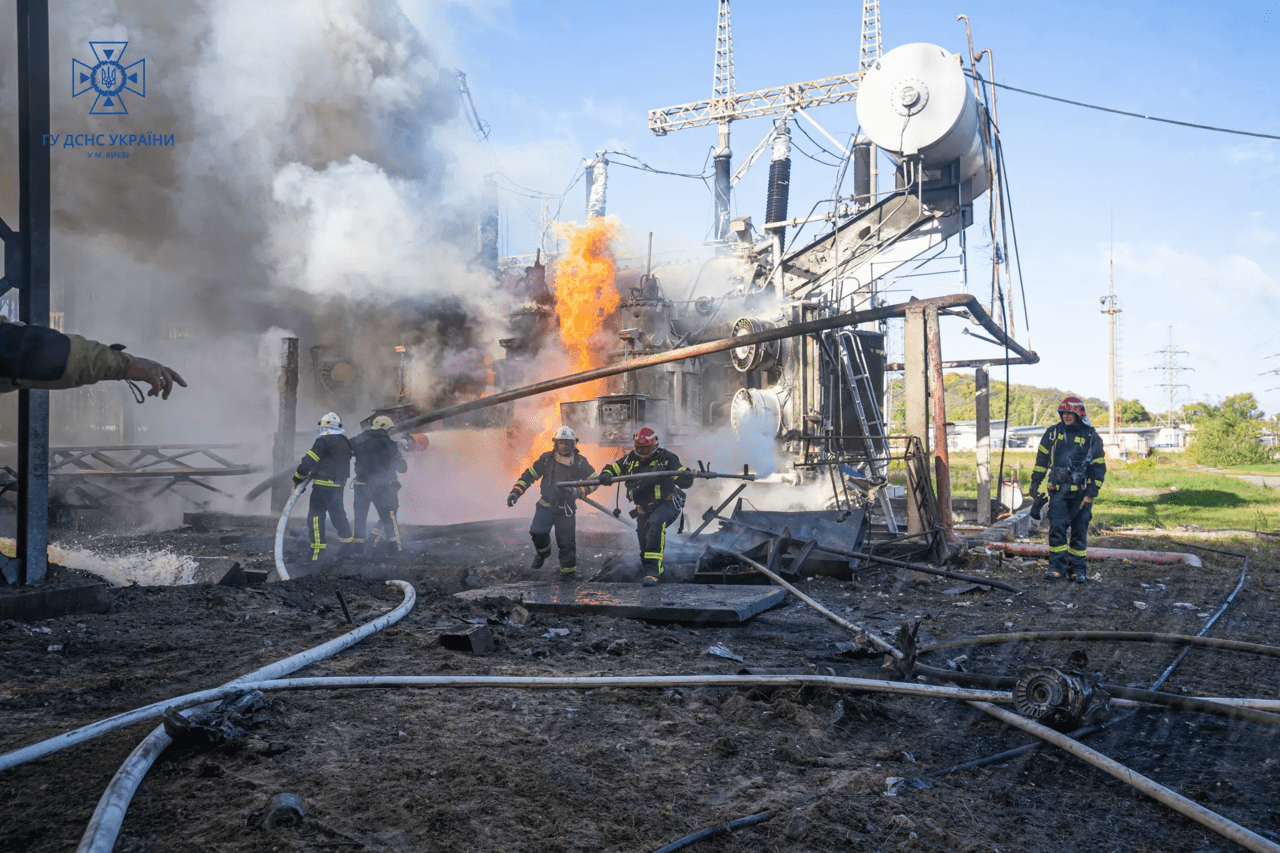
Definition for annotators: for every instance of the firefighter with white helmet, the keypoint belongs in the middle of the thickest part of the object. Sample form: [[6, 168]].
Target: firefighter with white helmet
[[659, 501], [328, 464], [557, 505], [1071, 457], [378, 460]]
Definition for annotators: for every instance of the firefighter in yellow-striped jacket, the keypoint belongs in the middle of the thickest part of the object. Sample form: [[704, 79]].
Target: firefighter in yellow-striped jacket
[[328, 463], [658, 501], [1071, 457]]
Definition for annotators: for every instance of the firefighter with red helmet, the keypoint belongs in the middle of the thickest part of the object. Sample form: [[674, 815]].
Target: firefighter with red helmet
[[1071, 458], [659, 501], [557, 505]]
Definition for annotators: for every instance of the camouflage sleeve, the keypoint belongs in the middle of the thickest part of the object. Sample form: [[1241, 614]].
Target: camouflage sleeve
[[90, 361], [39, 357]]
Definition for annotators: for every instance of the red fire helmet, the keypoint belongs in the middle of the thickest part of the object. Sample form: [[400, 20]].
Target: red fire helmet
[[1072, 404], [646, 438]]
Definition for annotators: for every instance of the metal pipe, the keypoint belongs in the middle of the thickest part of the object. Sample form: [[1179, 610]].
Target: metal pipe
[[104, 827], [853, 318], [883, 645], [1189, 808], [239, 687], [655, 475], [623, 521], [1031, 549]]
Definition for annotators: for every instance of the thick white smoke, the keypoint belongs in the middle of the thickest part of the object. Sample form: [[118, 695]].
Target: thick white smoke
[[314, 183]]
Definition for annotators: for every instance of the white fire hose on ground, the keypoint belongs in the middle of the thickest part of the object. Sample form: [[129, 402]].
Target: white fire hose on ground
[[283, 523]]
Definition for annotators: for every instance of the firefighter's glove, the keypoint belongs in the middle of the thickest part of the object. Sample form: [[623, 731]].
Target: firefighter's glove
[[160, 378], [606, 479], [513, 497], [685, 480], [1037, 507]]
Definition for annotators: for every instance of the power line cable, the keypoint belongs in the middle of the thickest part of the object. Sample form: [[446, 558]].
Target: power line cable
[[1123, 112]]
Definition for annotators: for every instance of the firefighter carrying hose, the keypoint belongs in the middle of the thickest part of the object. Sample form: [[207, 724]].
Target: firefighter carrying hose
[[378, 460], [1071, 456], [658, 501], [328, 463], [556, 505]]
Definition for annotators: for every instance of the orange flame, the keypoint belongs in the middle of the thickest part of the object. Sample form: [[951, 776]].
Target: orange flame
[[586, 294]]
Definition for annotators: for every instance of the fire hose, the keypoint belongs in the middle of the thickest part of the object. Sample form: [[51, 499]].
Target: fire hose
[[282, 524]]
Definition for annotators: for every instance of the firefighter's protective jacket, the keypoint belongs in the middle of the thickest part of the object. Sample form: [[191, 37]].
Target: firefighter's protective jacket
[[551, 473], [378, 458], [1071, 458], [38, 357], [646, 493], [328, 461]]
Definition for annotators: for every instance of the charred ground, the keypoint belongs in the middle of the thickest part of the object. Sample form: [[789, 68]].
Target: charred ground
[[633, 769]]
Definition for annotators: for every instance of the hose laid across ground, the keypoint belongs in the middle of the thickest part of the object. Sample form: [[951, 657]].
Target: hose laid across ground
[[156, 710], [1118, 636], [104, 827]]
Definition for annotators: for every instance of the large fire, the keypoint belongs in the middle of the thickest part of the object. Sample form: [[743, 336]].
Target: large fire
[[586, 294]]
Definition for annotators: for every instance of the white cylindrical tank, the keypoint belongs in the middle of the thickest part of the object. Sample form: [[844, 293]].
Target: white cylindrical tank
[[917, 100]]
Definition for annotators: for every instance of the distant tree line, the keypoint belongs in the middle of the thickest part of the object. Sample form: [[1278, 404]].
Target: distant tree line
[[1226, 433]]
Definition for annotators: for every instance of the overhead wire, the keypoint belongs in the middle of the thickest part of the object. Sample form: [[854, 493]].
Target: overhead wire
[[1088, 106]]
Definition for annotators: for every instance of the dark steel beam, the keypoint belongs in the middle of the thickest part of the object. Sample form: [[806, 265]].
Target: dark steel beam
[[33, 283], [959, 300]]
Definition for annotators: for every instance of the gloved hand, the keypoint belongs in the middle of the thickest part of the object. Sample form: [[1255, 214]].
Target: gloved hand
[[684, 480], [605, 478], [1037, 506], [513, 497], [160, 378]]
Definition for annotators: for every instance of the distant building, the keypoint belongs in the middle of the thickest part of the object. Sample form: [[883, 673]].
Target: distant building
[[1131, 441]]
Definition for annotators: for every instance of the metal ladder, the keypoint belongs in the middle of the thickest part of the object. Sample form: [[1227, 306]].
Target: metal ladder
[[875, 448]]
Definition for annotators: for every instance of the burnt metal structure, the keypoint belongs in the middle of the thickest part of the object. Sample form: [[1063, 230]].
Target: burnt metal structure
[[26, 268], [106, 478]]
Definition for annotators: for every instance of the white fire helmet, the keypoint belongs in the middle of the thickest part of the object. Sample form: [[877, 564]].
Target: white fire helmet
[[330, 420], [382, 422], [565, 434]]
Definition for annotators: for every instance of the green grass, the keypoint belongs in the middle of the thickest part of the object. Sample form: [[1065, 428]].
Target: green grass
[[1175, 493], [1269, 470]]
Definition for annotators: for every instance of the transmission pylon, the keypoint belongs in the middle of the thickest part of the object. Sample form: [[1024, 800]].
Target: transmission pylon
[[725, 104], [1172, 367]]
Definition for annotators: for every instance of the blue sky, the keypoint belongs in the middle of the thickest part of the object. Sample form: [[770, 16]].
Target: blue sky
[[1192, 213]]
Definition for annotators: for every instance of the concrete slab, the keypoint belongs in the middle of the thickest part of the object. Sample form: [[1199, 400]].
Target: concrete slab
[[716, 604]]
